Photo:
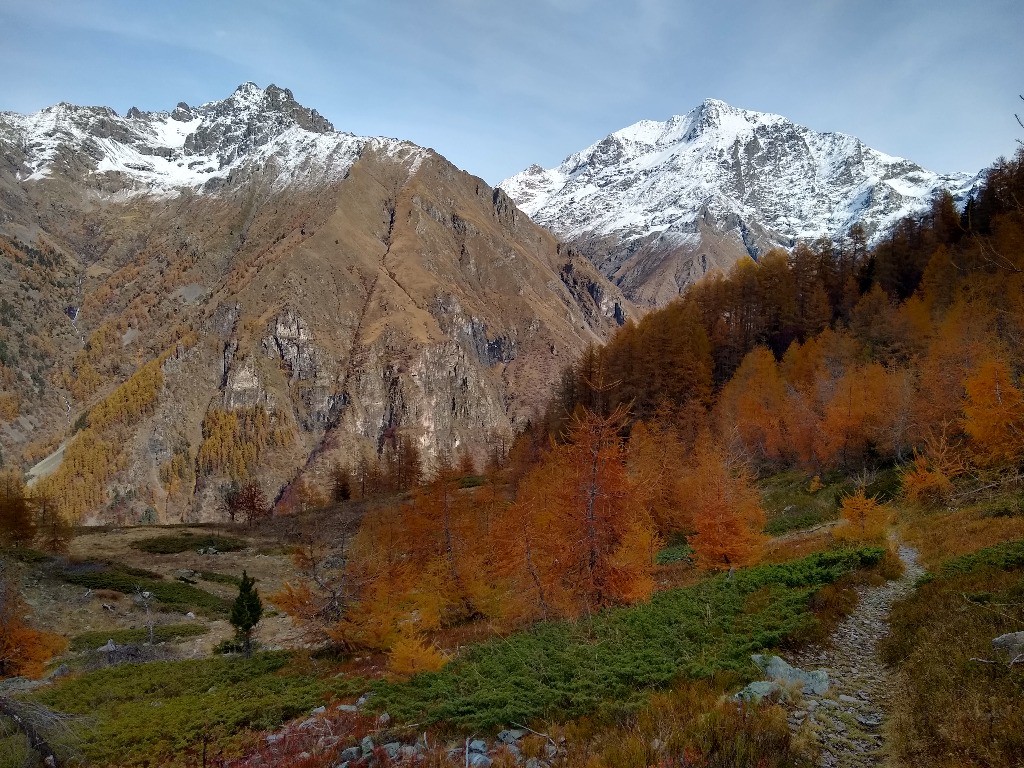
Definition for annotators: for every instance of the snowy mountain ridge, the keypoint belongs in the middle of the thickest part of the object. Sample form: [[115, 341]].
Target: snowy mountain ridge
[[203, 148], [754, 177]]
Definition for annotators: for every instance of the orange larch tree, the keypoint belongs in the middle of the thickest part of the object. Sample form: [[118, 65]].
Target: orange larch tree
[[24, 651], [863, 518], [994, 414], [588, 538], [727, 515]]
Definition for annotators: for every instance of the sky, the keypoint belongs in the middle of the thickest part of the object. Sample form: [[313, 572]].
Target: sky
[[496, 86]]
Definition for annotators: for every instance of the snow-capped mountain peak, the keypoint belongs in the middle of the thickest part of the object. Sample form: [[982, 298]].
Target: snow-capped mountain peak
[[754, 178], [252, 131]]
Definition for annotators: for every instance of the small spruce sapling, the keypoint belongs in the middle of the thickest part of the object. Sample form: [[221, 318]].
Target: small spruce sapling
[[246, 612]]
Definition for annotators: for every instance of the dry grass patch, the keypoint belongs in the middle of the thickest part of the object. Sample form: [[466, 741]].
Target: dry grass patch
[[939, 535]]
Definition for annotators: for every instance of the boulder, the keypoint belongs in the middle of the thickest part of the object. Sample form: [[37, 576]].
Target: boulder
[[367, 746], [776, 668], [1012, 643], [761, 689], [351, 753]]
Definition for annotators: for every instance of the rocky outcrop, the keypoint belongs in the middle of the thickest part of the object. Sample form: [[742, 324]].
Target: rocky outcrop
[[358, 290]]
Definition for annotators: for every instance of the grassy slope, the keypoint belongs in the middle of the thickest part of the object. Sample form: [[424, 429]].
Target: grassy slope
[[611, 661]]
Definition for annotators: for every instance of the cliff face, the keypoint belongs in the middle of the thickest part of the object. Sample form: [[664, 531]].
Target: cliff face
[[303, 322]]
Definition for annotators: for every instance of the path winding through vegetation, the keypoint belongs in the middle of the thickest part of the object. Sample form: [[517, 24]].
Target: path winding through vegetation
[[848, 719]]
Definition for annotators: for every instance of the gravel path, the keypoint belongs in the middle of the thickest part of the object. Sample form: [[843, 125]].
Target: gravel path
[[848, 718]]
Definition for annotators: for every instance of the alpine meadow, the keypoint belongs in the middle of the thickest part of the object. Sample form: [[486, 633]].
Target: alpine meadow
[[701, 448]]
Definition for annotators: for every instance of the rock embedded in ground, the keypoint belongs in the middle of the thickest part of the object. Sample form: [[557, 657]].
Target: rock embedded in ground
[[778, 669], [1012, 643]]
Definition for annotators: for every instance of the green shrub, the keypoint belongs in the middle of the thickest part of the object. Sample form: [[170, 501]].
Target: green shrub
[[185, 542], [1006, 556], [171, 595], [156, 714], [612, 660], [161, 634], [681, 553], [790, 505]]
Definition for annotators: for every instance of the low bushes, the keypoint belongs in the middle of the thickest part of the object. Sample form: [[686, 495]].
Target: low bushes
[[170, 595], [160, 714], [610, 662], [186, 542], [161, 634]]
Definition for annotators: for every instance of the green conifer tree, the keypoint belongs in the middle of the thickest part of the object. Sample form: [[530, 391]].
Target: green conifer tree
[[246, 612]]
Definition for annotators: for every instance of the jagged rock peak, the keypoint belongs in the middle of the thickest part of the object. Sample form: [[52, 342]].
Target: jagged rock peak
[[281, 100], [254, 131]]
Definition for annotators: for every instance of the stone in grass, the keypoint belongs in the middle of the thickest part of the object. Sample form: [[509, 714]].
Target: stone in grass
[[367, 746], [762, 689], [1012, 643], [510, 736], [478, 745], [777, 669], [394, 750], [477, 760], [351, 753]]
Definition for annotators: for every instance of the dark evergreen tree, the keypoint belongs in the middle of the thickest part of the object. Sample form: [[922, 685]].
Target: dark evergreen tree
[[246, 612]]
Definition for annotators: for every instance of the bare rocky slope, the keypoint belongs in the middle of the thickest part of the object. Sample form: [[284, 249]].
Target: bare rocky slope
[[348, 290], [659, 204]]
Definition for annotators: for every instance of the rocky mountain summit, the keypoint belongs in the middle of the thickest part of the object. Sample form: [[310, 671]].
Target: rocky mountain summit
[[309, 296], [658, 204], [253, 131]]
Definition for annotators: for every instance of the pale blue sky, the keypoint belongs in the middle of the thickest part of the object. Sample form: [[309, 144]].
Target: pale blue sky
[[495, 86]]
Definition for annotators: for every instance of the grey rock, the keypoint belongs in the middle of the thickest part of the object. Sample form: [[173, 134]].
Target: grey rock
[[776, 668], [533, 762], [394, 749], [351, 753], [347, 708], [761, 689], [318, 711], [511, 735], [477, 760], [367, 746], [478, 745], [62, 671], [383, 719], [1012, 643]]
